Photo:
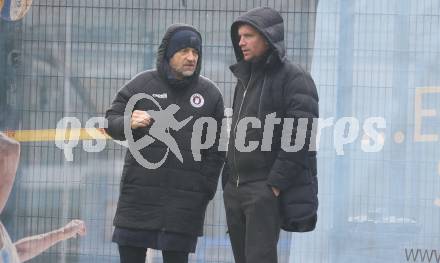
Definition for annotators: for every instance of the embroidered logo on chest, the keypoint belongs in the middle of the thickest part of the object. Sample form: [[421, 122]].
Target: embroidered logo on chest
[[197, 100]]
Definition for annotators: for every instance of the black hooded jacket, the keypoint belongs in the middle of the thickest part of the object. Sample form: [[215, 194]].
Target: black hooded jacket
[[174, 196], [274, 85]]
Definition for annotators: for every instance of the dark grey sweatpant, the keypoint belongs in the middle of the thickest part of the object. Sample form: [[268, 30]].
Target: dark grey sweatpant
[[253, 218]]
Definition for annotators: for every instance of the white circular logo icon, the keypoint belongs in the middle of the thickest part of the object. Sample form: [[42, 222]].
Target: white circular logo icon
[[197, 100]]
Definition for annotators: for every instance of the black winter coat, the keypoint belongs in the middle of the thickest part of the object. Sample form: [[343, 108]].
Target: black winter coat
[[174, 196], [288, 91]]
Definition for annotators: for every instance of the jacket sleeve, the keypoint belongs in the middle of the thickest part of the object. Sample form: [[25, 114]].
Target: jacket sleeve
[[115, 114], [213, 159], [300, 102]]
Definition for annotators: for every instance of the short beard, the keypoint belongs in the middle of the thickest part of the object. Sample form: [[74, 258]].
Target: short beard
[[182, 74], [187, 73]]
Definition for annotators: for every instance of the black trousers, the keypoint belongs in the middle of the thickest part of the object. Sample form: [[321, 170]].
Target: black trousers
[[253, 218], [129, 254]]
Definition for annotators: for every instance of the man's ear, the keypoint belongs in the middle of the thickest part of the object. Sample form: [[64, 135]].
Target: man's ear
[[268, 47]]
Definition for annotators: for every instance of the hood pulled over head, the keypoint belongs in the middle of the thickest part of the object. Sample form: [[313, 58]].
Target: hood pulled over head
[[267, 22]]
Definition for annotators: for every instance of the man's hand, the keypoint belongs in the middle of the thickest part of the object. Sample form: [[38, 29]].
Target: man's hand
[[275, 191], [73, 228], [140, 119]]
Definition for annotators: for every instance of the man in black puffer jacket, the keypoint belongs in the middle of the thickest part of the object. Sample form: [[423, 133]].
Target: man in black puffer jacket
[[164, 208], [267, 183]]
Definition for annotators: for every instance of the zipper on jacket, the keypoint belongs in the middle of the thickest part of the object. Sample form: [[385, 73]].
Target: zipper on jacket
[[236, 124]]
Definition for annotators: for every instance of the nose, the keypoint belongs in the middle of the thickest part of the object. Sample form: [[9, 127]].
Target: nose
[[191, 56], [241, 43]]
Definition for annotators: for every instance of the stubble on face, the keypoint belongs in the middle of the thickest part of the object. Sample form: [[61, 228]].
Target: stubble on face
[[252, 44], [184, 62]]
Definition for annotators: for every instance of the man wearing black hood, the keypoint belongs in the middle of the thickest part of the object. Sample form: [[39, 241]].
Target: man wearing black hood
[[164, 208], [267, 189]]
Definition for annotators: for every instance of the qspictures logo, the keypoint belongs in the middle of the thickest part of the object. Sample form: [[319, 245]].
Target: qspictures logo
[[370, 132], [295, 132], [422, 255]]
